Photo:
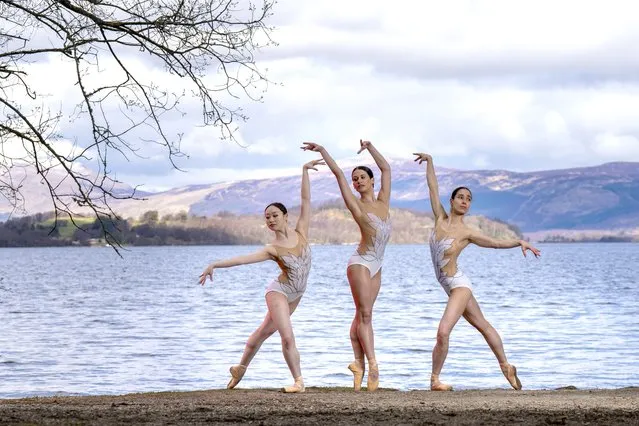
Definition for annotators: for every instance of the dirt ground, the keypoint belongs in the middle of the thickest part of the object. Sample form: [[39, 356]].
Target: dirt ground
[[333, 406]]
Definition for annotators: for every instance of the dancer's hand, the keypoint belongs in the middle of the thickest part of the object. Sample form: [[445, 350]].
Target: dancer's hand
[[526, 246], [421, 157], [311, 146], [363, 145], [208, 272], [311, 164]]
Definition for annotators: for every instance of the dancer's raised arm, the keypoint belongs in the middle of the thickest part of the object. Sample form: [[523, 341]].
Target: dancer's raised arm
[[267, 253], [433, 187], [347, 195], [477, 238], [305, 210], [385, 189]]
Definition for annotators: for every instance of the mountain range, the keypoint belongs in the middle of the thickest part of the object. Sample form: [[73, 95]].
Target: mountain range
[[599, 197]]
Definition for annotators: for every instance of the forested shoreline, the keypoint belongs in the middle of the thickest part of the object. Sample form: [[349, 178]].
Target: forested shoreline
[[39, 231], [330, 224]]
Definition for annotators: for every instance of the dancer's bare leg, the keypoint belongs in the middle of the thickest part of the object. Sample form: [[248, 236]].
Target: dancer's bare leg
[[357, 367], [279, 310], [255, 341], [475, 317], [365, 291], [457, 302], [253, 344], [358, 350]]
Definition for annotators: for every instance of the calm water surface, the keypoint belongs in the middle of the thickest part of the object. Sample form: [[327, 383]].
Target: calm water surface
[[84, 321]]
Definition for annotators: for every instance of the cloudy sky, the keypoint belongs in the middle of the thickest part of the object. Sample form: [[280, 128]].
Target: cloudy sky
[[519, 85]]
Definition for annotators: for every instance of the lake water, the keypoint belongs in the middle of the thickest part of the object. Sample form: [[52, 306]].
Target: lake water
[[84, 321]]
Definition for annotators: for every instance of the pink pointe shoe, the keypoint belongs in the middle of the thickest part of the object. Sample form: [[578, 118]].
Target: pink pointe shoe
[[436, 385], [357, 367], [237, 372], [298, 386], [510, 371], [373, 376]]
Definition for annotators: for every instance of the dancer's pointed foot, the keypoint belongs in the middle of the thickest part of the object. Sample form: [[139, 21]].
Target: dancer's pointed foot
[[510, 371], [298, 386], [373, 376], [237, 372], [357, 367], [436, 385]]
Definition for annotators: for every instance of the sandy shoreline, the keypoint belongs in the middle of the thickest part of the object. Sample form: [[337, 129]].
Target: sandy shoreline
[[332, 406]]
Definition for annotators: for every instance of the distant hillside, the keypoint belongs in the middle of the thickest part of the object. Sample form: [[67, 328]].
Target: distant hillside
[[604, 197], [586, 235], [36, 197], [329, 225]]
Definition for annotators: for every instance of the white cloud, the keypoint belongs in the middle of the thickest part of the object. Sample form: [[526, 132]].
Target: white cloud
[[499, 84], [555, 125], [16, 150], [175, 178], [481, 161], [201, 141], [464, 39], [268, 145], [612, 146]]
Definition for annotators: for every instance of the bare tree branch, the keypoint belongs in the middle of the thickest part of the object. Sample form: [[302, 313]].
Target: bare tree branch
[[209, 45]]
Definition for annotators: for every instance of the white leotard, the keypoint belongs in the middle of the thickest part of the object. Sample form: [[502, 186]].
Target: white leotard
[[295, 263], [373, 257], [437, 249]]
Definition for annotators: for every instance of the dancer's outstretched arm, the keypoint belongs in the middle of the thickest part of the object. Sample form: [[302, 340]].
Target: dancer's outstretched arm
[[267, 253], [433, 186], [305, 210], [347, 195], [483, 240], [385, 188]]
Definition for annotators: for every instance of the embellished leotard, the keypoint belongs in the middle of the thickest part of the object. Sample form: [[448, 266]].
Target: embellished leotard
[[295, 263], [374, 251], [437, 249]]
